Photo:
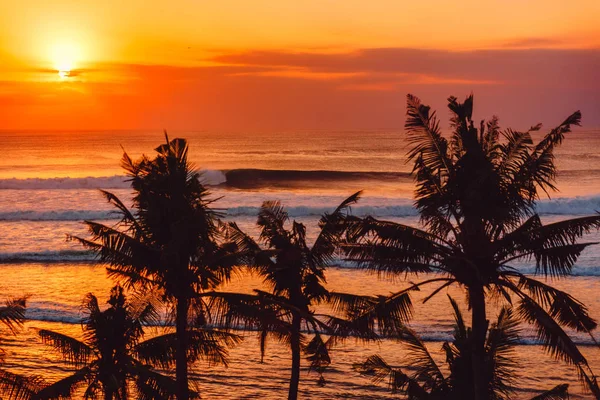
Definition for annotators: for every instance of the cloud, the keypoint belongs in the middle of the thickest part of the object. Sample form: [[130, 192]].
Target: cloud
[[533, 43], [532, 67], [258, 90]]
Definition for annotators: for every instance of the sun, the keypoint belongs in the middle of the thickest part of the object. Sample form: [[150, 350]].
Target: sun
[[64, 58]]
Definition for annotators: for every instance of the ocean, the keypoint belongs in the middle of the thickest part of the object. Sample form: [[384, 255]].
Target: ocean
[[49, 184]]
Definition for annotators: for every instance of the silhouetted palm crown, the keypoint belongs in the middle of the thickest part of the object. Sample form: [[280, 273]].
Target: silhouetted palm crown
[[111, 359], [296, 273], [476, 195], [425, 380], [171, 242], [14, 386]]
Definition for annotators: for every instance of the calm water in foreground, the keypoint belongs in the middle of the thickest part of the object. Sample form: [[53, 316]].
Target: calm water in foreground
[[48, 185]]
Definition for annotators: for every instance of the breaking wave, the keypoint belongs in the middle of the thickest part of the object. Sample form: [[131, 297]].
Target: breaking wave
[[402, 208]]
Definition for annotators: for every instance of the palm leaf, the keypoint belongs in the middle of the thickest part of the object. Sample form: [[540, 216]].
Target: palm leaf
[[18, 387], [398, 381], [559, 392], [332, 226], [72, 350], [562, 306], [424, 134], [392, 248], [553, 337], [387, 314], [317, 353], [502, 338], [426, 371], [66, 387], [204, 344], [151, 385], [271, 219], [12, 314]]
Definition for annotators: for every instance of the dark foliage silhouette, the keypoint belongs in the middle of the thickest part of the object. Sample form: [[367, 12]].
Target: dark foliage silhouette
[[14, 386], [296, 273], [476, 195], [171, 243], [424, 380], [112, 361]]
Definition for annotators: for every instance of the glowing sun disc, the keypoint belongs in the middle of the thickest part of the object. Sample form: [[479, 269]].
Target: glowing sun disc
[[64, 57]]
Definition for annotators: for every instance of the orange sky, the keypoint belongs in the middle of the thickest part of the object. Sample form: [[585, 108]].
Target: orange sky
[[196, 64]]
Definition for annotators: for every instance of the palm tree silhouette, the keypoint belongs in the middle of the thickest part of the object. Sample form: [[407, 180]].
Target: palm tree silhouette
[[296, 274], [425, 379], [476, 196], [170, 243], [14, 386], [111, 359]]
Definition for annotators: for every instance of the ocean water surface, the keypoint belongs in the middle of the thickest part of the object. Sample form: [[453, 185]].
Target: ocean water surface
[[49, 183]]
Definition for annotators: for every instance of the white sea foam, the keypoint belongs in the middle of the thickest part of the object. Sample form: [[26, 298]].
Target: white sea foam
[[378, 208], [47, 256], [208, 177], [57, 215]]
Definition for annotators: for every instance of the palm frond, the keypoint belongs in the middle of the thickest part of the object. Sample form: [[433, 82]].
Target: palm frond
[[425, 136], [127, 218], [119, 249], [204, 344], [554, 339], [554, 246], [64, 388], [19, 387], [332, 226], [500, 348], [426, 371], [540, 168], [151, 385], [397, 380], [317, 353], [562, 306], [558, 392], [589, 380], [271, 219], [72, 350], [250, 252], [12, 314], [392, 248], [460, 326], [387, 314]]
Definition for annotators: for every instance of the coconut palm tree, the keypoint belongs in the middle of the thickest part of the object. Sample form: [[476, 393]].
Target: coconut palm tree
[[425, 380], [14, 386], [295, 272], [169, 243], [111, 360], [476, 195]]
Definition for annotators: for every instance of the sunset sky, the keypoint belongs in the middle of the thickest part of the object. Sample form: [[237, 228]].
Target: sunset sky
[[252, 65]]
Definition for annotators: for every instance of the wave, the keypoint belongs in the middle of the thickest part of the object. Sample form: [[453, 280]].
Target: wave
[[235, 178], [402, 208], [87, 257], [428, 333], [48, 256], [579, 205], [58, 215], [209, 177], [256, 178]]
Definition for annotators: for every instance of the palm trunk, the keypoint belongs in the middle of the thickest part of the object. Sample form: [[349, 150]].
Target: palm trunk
[[295, 347], [181, 367], [108, 394], [479, 325]]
